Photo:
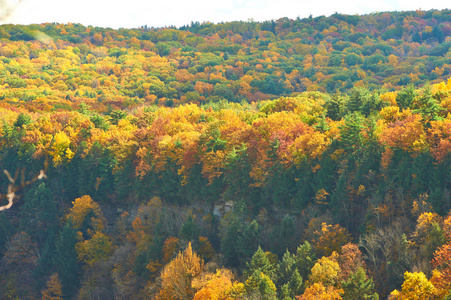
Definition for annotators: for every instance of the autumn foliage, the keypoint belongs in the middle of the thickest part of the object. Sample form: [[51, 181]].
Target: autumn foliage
[[177, 276], [286, 159]]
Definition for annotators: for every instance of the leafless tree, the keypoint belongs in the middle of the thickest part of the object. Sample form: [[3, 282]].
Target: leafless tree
[[14, 186]]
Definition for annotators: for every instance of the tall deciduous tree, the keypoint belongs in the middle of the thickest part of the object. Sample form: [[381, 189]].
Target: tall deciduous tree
[[86, 215], [98, 247], [53, 289], [326, 271], [415, 286], [441, 261], [318, 291], [218, 286], [178, 275]]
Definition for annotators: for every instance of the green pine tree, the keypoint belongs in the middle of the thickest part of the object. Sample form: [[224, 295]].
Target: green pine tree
[[260, 286], [189, 230], [282, 237], [248, 241], [65, 259], [229, 247], [358, 287], [305, 259], [288, 276]]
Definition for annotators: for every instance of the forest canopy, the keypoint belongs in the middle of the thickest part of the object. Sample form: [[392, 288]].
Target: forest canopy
[[123, 69], [287, 159]]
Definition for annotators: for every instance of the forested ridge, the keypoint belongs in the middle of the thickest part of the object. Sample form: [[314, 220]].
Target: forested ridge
[[305, 159], [251, 61]]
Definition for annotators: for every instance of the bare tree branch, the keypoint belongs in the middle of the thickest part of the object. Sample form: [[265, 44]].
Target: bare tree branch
[[12, 188]]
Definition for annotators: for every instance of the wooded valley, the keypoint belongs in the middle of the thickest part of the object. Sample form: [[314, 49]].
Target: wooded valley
[[287, 159]]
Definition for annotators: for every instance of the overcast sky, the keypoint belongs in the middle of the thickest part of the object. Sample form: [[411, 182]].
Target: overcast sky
[[136, 13]]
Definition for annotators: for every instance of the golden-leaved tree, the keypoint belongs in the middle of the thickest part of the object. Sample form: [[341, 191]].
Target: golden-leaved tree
[[415, 286], [53, 290], [217, 286], [178, 275]]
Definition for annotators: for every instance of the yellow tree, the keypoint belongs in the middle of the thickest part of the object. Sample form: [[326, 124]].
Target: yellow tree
[[98, 247], [53, 289], [86, 213], [178, 275], [416, 286], [330, 238], [326, 271], [205, 249], [218, 286], [318, 291], [447, 227], [407, 134], [428, 236]]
